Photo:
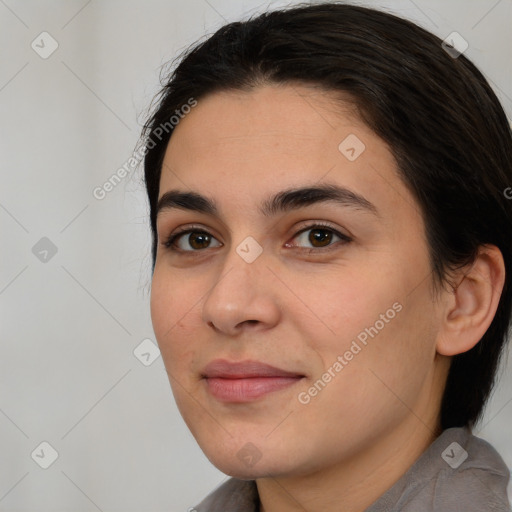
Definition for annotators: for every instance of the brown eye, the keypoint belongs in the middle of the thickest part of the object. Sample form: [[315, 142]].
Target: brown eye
[[196, 239], [199, 240], [319, 237]]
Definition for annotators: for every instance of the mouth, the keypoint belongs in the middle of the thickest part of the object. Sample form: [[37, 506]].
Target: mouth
[[239, 382]]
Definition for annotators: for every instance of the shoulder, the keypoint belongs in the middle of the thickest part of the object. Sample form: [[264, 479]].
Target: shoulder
[[478, 480], [458, 471]]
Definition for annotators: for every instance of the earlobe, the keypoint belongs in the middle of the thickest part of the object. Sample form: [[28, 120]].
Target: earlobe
[[473, 303]]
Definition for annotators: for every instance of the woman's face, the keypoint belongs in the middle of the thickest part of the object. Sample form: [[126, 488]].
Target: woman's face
[[343, 310]]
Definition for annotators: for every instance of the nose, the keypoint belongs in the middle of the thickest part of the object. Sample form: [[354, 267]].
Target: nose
[[242, 297]]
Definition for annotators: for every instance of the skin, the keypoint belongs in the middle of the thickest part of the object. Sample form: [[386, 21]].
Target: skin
[[300, 311]]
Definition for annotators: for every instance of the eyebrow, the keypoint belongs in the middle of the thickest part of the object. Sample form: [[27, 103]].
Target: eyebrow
[[282, 202]]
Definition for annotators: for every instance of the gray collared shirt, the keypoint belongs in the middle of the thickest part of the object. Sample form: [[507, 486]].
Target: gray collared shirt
[[457, 472]]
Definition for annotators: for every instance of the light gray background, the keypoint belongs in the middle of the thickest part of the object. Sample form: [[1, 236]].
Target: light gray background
[[69, 326]]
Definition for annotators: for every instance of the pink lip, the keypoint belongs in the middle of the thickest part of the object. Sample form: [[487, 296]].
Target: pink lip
[[245, 381]]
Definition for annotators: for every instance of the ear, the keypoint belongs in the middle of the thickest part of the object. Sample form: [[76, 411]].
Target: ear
[[471, 307]]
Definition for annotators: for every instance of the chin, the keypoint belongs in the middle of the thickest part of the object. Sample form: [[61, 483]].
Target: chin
[[246, 462], [243, 472]]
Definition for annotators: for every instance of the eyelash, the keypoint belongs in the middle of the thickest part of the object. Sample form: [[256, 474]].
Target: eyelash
[[170, 242]]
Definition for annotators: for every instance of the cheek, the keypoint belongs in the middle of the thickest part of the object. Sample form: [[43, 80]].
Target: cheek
[[347, 303], [173, 307], [371, 316]]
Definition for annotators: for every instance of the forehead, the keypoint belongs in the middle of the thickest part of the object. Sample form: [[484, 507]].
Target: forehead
[[285, 115], [245, 146]]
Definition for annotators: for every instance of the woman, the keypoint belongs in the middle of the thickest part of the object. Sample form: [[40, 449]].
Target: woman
[[332, 261]]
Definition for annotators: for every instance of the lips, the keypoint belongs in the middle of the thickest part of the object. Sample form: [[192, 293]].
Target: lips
[[245, 381]]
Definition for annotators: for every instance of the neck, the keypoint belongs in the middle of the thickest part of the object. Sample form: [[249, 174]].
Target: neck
[[356, 483]]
